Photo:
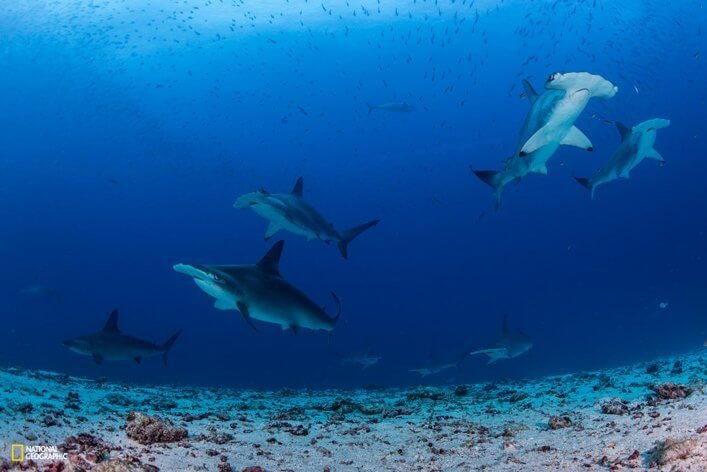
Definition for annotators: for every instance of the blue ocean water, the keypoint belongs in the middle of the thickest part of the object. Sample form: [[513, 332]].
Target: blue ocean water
[[130, 128]]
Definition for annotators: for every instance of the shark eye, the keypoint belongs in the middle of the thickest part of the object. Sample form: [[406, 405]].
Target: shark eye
[[551, 78], [215, 277]]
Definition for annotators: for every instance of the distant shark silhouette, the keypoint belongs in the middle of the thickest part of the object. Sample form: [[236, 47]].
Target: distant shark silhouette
[[434, 369], [41, 292], [393, 107], [508, 346], [549, 123], [289, 211], [110, 344], [636, 145], [365, 360], [259, 292]]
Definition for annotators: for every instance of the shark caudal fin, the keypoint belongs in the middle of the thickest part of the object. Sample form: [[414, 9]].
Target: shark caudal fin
[[337, 303], [168, 345], [492, 178], [586, 183], [349, 235]]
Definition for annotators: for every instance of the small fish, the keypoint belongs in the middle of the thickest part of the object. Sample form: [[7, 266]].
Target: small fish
[[393, 107], [663, 305], [635, 88]]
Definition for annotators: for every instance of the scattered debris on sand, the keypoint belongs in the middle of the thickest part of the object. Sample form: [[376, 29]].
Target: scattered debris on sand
[[147, 429]]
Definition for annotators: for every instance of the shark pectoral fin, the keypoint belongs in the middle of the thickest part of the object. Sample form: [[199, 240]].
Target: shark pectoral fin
[[577, 139], [243, 308], [138, 359], [221, 304], [272, 229], [98, 358], [653, 154], [295, 329], [536, 141], [540, 169]]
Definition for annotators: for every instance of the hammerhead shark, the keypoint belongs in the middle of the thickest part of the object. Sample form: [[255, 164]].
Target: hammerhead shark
[[508, 346], [289, 211], [636, 145], [549, 123], [259, 292], [110, 344]]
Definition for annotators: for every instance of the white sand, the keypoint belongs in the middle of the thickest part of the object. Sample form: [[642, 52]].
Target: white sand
[[492, 427]]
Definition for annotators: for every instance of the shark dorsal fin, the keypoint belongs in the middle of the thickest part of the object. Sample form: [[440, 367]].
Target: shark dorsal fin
[[111, 325], [530, 92], [505, 329], [297, 189], [270, 262], [623, 130]]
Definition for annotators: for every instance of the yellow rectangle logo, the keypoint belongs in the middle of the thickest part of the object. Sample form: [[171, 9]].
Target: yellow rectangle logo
[[17, 453]]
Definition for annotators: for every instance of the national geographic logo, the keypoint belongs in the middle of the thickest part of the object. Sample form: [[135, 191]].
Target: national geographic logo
[[22, 452], [17, 453]]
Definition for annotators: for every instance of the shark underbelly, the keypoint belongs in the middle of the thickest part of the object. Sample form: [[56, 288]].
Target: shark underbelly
[[287, 316], [537, 161], [278, 219], [216, 291]]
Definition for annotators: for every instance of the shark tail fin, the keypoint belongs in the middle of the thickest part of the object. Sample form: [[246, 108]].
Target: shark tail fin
[[492, 179], [349, 235], [586, 183], [168, 345], [337, 302]]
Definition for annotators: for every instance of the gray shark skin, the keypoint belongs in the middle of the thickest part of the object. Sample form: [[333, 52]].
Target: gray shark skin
[[392, 107], [508, 346], [549, 124], [112, 345], [259, 292], [636, 145], [289, 211]]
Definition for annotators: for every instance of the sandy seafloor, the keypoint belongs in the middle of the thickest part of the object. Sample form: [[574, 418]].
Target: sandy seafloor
[[501, 426]]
